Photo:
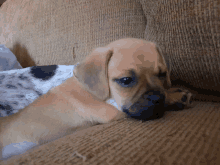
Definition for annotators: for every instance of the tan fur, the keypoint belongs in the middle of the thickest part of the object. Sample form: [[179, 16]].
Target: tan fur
[[79, 101]]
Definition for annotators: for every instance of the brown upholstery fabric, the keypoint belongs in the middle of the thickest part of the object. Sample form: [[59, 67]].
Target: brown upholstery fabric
[[64, 32], [188, 32], [187, 137]]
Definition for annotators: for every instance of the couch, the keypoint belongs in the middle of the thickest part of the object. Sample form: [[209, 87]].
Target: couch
[[65, 31]]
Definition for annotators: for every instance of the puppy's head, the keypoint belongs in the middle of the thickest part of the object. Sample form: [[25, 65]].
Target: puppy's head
[[131, 71]]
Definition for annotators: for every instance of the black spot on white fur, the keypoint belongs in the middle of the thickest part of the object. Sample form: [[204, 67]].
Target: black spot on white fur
[[6, 107], [39, 93], [19, 89], [9, 86], [20, 96], [43, 72], [19, 84], [22, 77], [2, 77]]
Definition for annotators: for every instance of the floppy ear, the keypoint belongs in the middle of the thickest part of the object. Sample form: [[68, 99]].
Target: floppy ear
[[92, 73], [165, 66]]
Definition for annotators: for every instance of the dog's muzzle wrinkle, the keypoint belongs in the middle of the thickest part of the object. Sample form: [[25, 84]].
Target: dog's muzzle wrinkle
[[149, 106]]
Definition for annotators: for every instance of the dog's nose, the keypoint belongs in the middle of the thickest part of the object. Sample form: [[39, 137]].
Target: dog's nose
[[149, 106]]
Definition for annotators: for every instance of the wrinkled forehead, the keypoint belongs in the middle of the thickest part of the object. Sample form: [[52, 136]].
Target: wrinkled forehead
[[137, 58]]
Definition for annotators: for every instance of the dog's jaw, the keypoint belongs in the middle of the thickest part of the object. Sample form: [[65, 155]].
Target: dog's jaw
[[149, 106]]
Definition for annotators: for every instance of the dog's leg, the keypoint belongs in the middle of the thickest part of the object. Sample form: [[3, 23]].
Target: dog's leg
[[178, 98]]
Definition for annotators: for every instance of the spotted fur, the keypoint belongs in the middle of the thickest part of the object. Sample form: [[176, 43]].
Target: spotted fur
[[20, 87]]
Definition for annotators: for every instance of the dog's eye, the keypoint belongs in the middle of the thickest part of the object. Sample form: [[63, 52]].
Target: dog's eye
[[126, 81]]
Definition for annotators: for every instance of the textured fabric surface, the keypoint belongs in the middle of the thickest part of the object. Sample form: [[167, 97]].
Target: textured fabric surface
[[64, 32], [191, 137], [188, 32]]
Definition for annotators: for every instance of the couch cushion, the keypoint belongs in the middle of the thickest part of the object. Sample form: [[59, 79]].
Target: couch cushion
[[64, 32], [188, 33], [191, 136]]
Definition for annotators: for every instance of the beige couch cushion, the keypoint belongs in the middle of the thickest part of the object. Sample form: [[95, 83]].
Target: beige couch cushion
[[188, 32], [64, 32]]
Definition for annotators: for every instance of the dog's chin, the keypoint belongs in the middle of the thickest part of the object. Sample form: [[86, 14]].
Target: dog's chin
[[146, 113], [150, 105]]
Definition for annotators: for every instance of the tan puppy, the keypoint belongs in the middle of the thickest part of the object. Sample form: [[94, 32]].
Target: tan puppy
[[131, 71]]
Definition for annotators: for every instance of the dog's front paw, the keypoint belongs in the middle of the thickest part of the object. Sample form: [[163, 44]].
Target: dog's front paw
[[178, 97]]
